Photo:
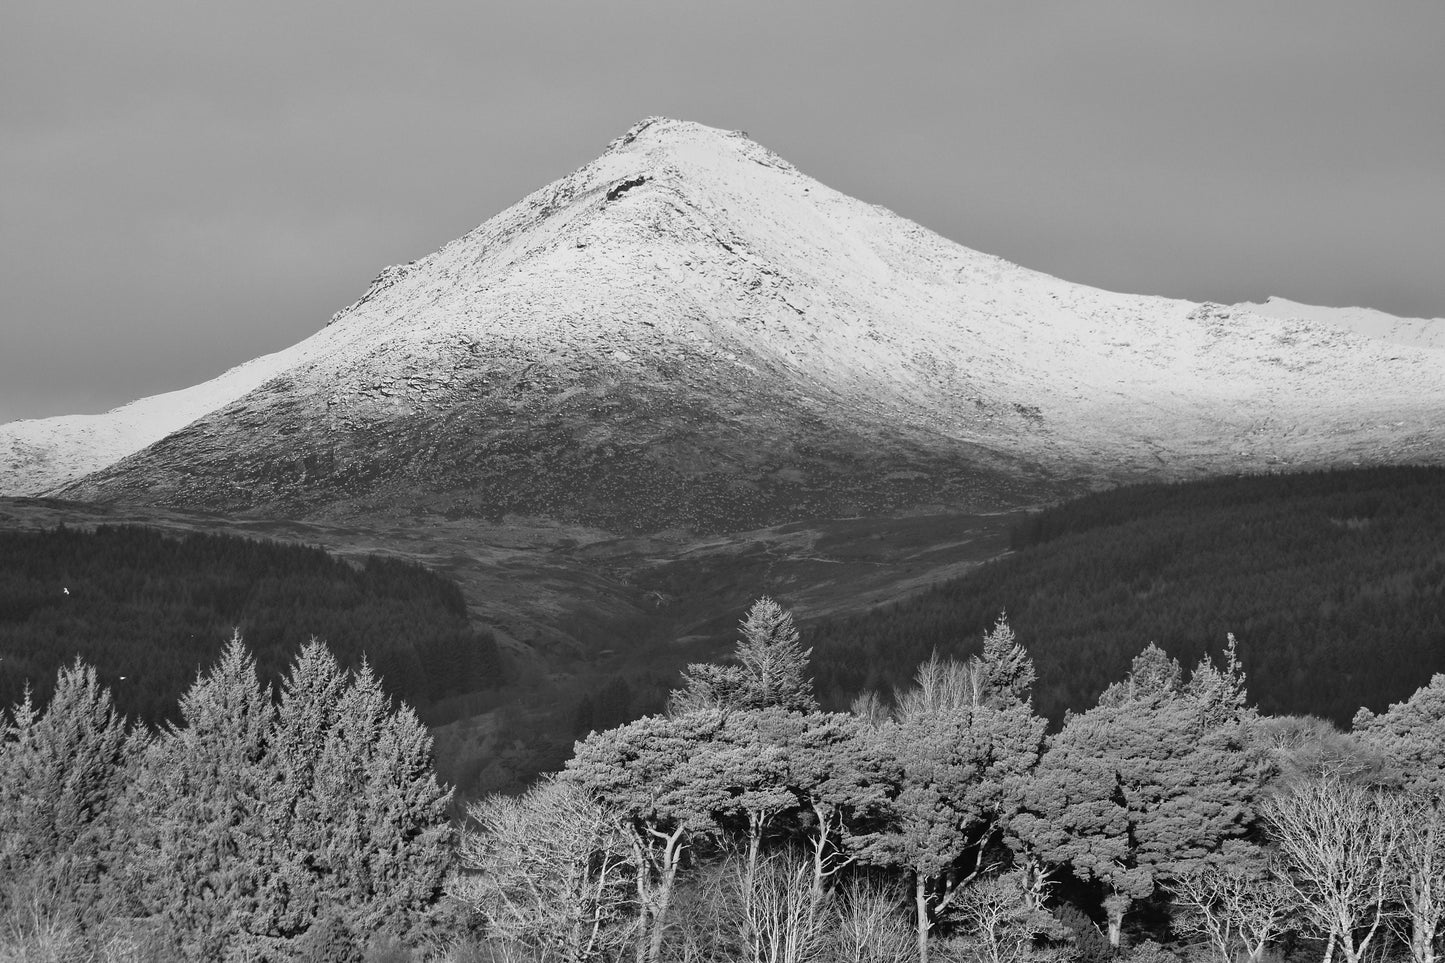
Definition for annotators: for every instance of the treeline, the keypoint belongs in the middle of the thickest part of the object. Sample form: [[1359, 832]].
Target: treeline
[[148, 610], [938, 821], [1333, 581]]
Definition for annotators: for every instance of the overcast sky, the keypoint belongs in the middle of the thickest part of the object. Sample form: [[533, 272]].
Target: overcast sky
[[184, 185]]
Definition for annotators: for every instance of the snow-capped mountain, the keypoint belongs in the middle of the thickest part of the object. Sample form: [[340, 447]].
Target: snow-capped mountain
[[41, 453], [690, 333]]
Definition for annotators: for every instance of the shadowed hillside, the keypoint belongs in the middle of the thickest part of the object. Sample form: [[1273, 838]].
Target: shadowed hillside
[[147, 610], [1334, 584]]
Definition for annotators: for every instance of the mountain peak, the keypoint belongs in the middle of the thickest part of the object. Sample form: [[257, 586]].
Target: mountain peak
[[688, 332], [658, 133]]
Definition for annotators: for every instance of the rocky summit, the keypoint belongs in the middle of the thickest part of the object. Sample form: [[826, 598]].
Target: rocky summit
[[688, 333]]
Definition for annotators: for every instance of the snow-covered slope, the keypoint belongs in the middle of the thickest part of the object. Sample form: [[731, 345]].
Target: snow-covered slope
[[41, 453], [690, 332], [1417, 332]]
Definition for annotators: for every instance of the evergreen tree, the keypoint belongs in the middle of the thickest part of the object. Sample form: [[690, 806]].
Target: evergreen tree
[[708, 686], [1411, 734], [771, 669], [1005, 667], [752, 755], [655, 776], [1220, 692], [1152, 674], [293, 899], [380, 826], [955, 789], [62, 778], [1144, 785], [200, 855], [839, 770]]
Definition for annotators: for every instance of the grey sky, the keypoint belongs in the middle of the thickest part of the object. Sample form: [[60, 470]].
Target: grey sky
[[184, 186]]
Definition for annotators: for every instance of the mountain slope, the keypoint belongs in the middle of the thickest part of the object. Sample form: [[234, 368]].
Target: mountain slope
[[1421, 332], [40, 453], [688, 332]]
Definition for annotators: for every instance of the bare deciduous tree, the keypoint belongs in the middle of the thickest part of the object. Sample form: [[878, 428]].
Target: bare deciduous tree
[[547, 870], [1238, 905], [872, 927], [777, 912], [1001, 922], [939, 686], [1340, 844], [1420, 888]]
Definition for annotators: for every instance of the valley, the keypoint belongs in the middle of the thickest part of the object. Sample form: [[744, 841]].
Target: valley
[[688, 375], [572, 607]]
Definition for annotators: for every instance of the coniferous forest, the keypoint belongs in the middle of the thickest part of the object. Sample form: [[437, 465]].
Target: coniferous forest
[[1334, 583], [1170, 820], [149, 610]]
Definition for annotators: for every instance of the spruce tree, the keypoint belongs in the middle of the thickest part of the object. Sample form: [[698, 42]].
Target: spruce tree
[[200, 856], [771, 669], [1152, 674], [292, 899], [62, 777], [381, 846], [1007, 671]]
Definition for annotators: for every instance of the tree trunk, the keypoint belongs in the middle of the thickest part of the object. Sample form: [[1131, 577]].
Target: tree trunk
[[1422, 941], [1114, 908], [671, 856], [750, 891], [659, 914], [644, 897], [1036, 883], [574, 941], [920, 902], [820, 847], [755, 844]]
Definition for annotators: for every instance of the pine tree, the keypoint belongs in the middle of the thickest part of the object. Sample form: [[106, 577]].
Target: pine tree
[[956, 786], [654, 774], [1146, 784], [771, 669], [1412, 735]]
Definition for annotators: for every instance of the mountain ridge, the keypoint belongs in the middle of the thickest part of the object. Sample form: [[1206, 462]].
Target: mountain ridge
[[688, 332]]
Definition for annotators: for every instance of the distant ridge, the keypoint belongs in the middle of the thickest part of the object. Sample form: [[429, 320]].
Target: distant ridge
[[690, 333], [1417, 332]]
